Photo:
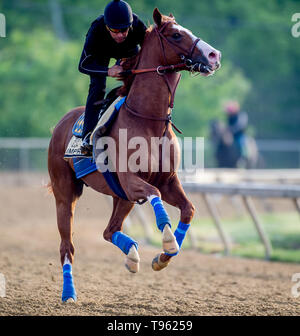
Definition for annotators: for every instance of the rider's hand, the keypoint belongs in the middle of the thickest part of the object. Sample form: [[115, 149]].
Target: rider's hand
[[115, 71]]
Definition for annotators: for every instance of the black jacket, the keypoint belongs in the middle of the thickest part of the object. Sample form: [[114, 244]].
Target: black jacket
[[100, 47]]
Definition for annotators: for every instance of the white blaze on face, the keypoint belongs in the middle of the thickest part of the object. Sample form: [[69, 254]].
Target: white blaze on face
[[212, 55], [184, 31]]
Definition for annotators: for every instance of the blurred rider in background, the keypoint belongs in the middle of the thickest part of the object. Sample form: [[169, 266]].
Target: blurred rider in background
[[237, 122]]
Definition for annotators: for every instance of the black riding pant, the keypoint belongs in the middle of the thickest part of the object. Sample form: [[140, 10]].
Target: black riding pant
[[96, 93]]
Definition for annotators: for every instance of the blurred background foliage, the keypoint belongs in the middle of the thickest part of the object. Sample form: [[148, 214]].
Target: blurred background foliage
[[39, 80]]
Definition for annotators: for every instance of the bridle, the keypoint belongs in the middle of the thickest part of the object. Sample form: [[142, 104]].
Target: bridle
[[186, 63], [186, 58]]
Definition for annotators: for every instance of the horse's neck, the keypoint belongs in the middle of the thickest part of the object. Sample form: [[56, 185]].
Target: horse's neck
[[149, 94]]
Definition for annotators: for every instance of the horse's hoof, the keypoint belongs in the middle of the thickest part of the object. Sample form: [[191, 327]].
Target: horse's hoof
[[170, 244], [69, 300], [132, 261], [157, 264]]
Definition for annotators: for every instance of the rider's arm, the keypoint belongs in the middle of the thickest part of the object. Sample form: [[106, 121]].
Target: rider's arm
[[90, 66], [90, 62]]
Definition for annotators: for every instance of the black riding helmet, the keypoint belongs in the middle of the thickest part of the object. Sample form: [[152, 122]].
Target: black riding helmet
[[118, 15]]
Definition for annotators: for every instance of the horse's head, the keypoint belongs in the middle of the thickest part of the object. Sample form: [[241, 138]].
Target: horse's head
[[179, 44]]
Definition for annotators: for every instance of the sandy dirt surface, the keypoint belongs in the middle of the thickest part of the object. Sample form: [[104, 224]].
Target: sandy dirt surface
[[193, 284]]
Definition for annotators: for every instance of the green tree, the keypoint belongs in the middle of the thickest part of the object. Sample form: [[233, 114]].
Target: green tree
[[40, 82]]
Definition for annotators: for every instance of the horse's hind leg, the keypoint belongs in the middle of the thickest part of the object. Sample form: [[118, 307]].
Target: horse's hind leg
[[66, 190], [113, 233]]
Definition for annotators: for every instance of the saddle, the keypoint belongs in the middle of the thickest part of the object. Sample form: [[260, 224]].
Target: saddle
[[108, 111]]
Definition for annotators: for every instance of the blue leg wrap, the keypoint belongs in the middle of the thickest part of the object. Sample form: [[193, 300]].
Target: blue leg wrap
[[180, 233], [123, 241], [68, 287], [161, 215]]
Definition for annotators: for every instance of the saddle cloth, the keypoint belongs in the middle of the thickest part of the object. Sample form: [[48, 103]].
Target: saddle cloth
[[103, 125]]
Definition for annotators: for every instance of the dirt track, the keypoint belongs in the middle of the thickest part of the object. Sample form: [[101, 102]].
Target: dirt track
[[193, 284]]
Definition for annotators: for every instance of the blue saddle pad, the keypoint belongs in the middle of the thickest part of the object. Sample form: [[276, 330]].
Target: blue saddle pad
[[78, 126], [85, 166]]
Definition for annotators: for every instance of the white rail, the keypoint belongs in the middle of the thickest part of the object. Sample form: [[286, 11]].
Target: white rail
[[246, 191]]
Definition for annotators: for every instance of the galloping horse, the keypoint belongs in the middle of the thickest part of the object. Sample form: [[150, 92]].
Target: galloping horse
[[167, 48]]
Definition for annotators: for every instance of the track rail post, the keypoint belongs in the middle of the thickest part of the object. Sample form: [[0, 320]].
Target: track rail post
[[263, 236], [216, 218]]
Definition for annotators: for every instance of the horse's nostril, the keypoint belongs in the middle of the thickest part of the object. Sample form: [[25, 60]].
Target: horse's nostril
[[212, 55]]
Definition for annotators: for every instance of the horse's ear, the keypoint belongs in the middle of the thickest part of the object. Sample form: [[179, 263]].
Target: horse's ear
[[157, 17]]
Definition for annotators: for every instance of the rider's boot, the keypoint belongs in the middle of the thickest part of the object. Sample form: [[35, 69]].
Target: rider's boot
[[86, 147]]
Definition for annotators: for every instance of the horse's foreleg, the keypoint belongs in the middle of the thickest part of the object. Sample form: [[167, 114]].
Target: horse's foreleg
[[174, 194], [113, 233], [138, 189], [163, 223]]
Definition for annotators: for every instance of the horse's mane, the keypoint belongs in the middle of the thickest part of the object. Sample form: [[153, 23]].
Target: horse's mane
[[132, 62], [129, 64]]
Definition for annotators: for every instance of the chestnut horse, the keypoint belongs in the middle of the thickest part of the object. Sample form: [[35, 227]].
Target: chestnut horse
[[146, 114]]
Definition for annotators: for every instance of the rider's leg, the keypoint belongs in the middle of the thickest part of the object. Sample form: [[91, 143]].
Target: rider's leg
[[96, 93], [243, 145], [240, 140]]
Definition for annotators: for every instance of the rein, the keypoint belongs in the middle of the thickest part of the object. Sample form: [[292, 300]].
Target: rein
[[158, 69], [162, 69]]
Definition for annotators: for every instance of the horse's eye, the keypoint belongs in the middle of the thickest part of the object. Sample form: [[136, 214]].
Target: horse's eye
[[176, 36]]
